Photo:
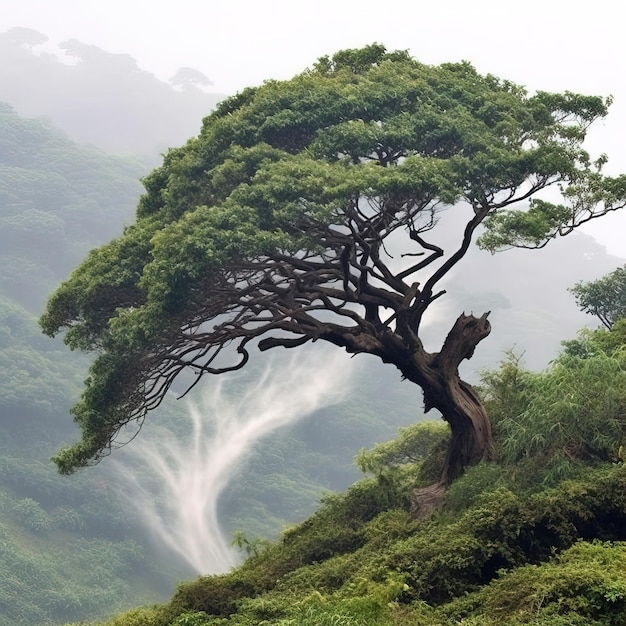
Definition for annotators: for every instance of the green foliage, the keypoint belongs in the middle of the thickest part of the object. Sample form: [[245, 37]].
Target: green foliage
[[518, 541], [358, 60], [523, 229], [586, 584], [507, 390], [68, 518], [68, 549], [134, 617], [198, 618], [31, 515], [477, 480], [413, 444], [44, 582], [605, 298], [502, 554], [600, 341], [251, 546], [58, 199], [547, 423]]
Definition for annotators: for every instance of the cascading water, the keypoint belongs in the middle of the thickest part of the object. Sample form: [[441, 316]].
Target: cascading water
[[177, 496]]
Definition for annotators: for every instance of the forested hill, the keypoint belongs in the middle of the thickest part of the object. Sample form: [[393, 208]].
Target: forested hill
[[99, 97], [57, 200]]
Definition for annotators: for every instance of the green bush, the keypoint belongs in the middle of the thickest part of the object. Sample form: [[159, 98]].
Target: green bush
[[136, 617], [483, 477], [198, 618], [445, 558], [68, 518], [586, 584], [413, 445], [573, 412], [212, 595]]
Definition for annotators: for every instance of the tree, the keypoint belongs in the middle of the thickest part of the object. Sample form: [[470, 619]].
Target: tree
[[189, 78], [26, 37], [278, 226], [605, 298]]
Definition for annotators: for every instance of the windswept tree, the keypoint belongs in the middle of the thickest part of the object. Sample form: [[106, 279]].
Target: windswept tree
[[605, 298], [279, 225]]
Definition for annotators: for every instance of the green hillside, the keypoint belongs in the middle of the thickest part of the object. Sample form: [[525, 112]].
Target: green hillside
[[67, 548], [538, 536]]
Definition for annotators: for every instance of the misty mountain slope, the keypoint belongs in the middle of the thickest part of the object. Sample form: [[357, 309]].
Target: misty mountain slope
[[98, 97], [67, 548], [57, 200]]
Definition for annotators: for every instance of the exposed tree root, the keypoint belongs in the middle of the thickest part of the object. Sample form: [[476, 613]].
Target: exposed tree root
[[426, 500]]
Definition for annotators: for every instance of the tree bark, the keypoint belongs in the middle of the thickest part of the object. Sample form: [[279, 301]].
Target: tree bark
[[438, 375]]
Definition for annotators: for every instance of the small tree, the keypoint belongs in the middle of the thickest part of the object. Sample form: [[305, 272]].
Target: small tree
[[275, 227], [605, 298], [189, 78]]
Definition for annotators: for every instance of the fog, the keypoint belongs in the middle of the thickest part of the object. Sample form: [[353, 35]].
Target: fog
[[181, 475]]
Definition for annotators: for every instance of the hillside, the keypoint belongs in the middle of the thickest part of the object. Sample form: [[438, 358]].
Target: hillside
[[537, 536], [68, 548]]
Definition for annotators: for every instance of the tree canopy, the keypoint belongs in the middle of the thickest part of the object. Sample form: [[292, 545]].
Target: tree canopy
[[605, 298], [308, 210]]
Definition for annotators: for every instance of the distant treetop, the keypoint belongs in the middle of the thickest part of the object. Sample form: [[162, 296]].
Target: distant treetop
[[188, 77]]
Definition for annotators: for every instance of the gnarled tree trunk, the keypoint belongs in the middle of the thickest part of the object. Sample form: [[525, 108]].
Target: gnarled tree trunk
[[438, 375]]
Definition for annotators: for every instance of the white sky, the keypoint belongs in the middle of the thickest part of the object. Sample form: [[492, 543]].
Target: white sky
[[553, 45]]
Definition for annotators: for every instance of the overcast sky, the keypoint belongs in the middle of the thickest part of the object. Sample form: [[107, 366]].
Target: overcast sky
[[544, 44]]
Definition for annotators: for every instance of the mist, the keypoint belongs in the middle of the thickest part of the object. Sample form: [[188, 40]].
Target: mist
[[176, 478]]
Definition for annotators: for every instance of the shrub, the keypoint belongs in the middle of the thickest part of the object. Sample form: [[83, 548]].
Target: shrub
[[68, 518], [502, 529], [212, 595], [586, 584], [463, 492], [574, 411], [413, 445], [136, 617], [198, 618]]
